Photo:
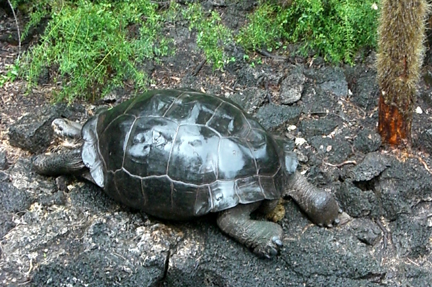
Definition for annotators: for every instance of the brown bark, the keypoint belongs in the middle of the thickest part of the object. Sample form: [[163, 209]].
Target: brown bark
[[401, 50], [394, 127]]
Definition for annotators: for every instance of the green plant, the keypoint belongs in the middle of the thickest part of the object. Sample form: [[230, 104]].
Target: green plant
[[335, 29], [96, 45], [264, 29], [212, 35], [11, 74]]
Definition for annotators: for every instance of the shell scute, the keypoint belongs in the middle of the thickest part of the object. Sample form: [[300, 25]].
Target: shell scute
[[129, 189], [149, 145], [189, 108], [223, 195], [235, 159], [190, 200], [194, 156], [263, 151], [269, 187], [229, 121], [151, 104], [112, 142], [158, 193], [249, 190]]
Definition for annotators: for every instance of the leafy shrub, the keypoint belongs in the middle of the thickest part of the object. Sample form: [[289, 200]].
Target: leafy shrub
[[11, 72], [212, 35], [96, 45], [335, 29]]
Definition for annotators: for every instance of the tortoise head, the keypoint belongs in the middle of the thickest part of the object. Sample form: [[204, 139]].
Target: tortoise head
[[66, 128]]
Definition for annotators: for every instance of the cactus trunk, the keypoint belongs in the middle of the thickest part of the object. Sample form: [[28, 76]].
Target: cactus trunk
[[400, 43]]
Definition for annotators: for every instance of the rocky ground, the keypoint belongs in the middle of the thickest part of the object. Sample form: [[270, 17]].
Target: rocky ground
[[63, 232]]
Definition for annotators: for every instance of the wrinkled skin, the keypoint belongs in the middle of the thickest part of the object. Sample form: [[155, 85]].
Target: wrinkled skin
[[178, 154]]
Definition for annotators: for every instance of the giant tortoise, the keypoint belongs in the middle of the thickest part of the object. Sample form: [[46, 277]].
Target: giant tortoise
[[179, 154]]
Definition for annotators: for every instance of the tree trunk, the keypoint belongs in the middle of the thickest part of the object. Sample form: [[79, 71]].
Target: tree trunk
[[401, 50]]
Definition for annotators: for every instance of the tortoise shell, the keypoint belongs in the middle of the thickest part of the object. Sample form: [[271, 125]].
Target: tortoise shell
[[177, 154]]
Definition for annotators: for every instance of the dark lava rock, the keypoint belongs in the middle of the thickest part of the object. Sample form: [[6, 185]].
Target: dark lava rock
[[314, 103], [58, 198], [371, 166], [310, 254], [330, 263], [357, 202], [411, 236], [91, 198], [247, 76], [397, 185], [292, 87], [329, 80], [6, 223], [44, 76], [33, 131], [418, 276], [319, 178], [3, 160], [425, 141], [366, 230], [335, 150], [367, 140], [100, 258], [364, 86], [402, 186], [318, 127], [13, 199], [273, 116], [4, 176], [250, 99]]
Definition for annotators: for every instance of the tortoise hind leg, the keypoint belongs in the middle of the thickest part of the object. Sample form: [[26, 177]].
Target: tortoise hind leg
[[263, 237], [56, 164]]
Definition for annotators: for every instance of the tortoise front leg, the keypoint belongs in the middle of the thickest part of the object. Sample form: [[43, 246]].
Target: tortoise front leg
[[264, 237], [57, 164], [318, 204]]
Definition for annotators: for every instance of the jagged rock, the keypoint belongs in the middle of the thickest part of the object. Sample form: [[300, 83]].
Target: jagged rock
[[366, 231], [334, 150], [3, 160], [357, 202], [250, 99], [33, 131], [371, 166], [292, 88], [367, 141], [318, 127], [273, 116], [425, 141], [329, 80]]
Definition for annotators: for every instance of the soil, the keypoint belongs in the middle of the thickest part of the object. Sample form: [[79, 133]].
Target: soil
[[63, 232]]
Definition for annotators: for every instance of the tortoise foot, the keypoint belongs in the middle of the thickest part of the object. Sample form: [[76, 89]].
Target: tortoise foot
[[323, 209], [269, 248], [263, 237]]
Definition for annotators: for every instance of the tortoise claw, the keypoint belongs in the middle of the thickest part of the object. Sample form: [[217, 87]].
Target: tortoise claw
[[277, 241], [271, 249]]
